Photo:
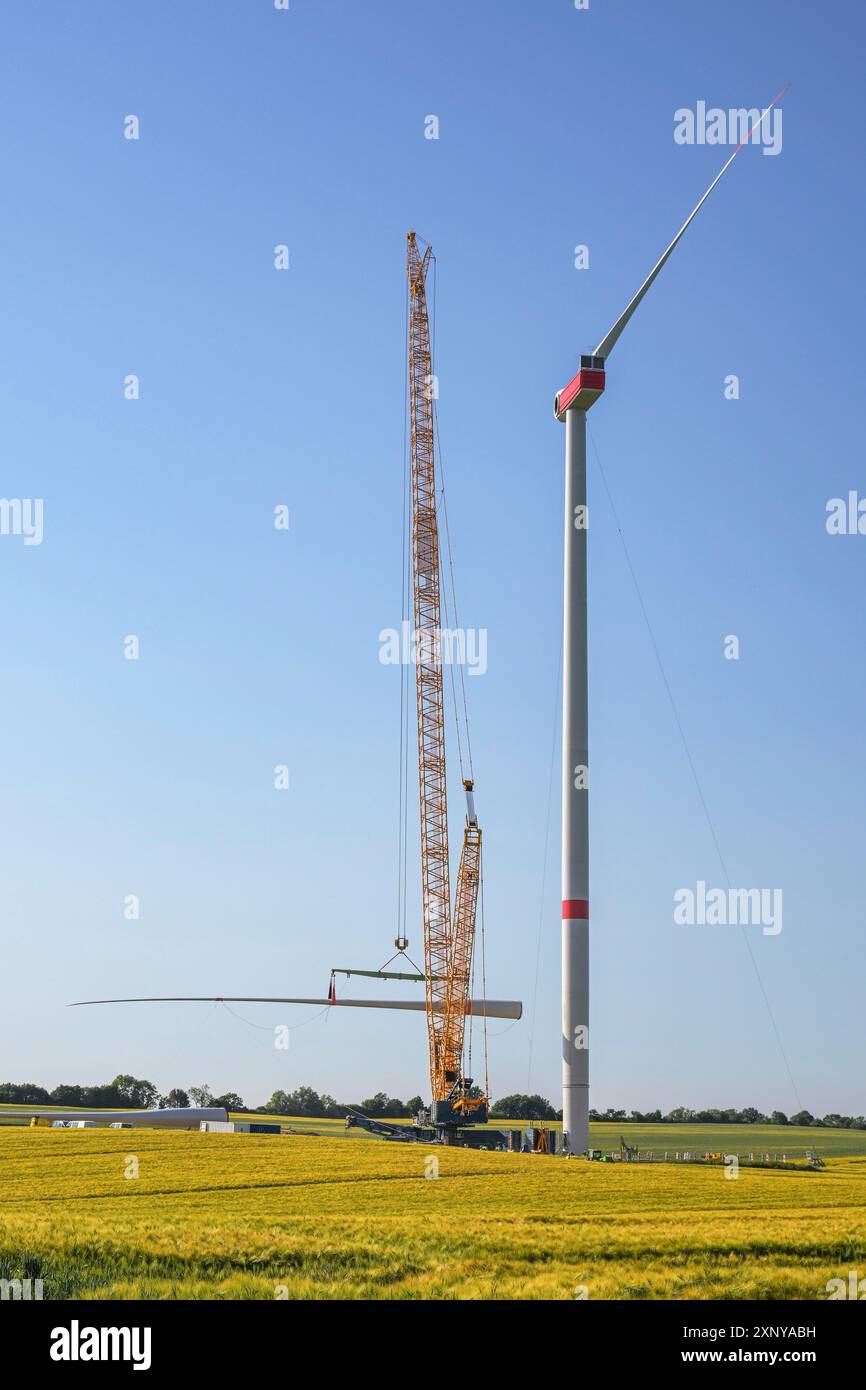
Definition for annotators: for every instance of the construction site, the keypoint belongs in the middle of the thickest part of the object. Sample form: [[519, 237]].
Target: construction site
[[454, 970], [422, 577]]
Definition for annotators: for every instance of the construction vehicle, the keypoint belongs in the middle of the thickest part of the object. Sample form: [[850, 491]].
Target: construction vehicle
[[449, 936]]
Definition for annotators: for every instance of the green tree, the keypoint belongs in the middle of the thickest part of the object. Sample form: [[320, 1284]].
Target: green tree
[[176, 1099], [680, 1116], [523, 1107], [230, 1101], [751, 1116], [24, 1094], [277, 1105], [66, 1095], [305, 1101], [382, 1106], [138, 1095]]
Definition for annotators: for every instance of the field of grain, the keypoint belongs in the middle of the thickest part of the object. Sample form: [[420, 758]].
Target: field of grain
[[659, 1139], [149, 1214], [790, 1140]]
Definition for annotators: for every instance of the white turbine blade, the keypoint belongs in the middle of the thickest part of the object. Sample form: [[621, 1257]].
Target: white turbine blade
[[479, 1008], [607, 343], [159, 1119]]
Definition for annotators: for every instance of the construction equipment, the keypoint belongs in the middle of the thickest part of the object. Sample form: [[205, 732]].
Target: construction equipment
[[478, 1008], [449, 938], [448, 944]]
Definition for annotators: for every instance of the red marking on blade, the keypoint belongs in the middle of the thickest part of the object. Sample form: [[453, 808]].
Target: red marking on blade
[[575, 907], [776, 98]]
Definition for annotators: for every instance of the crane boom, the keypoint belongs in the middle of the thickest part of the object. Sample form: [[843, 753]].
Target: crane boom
[[435, 876], [463, 941], [449, 937], [448, 940]]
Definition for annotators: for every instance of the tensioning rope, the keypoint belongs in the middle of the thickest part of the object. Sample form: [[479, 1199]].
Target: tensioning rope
[[693, 769]]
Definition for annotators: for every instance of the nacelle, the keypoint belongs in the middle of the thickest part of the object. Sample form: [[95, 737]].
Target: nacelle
[[583, 390]]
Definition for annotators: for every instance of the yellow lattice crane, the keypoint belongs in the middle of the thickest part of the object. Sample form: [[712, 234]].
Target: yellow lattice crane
[[448, 938]]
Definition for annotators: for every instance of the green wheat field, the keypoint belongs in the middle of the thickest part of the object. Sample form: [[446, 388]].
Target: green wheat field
[[128, 1214]]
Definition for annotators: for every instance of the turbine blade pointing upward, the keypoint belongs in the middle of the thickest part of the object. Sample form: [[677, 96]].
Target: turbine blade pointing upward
[[607, 343]]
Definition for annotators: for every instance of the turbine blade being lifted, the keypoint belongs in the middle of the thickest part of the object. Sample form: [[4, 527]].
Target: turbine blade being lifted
[[607, 343], [479, 1008]]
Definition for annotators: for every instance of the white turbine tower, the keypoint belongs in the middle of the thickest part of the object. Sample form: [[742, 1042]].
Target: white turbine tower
[[570, 407]]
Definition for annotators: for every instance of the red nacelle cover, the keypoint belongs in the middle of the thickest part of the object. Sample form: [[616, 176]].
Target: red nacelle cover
[[581, 391]]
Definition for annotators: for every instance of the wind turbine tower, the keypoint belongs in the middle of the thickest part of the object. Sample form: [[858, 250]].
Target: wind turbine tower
[[570, 407]]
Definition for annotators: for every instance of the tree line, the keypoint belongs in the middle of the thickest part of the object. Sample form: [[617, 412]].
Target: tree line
[[132, 1093], [129, 1092], [123, 1093], [750, 1116]]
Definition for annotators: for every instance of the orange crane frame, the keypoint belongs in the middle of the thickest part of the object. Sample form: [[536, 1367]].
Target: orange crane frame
[[448, 943], [449, 938]]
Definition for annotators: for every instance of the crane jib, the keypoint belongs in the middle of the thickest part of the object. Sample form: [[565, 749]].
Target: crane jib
[[448, 938]]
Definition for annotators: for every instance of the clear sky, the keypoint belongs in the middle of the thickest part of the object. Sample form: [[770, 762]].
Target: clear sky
[[258, 647]]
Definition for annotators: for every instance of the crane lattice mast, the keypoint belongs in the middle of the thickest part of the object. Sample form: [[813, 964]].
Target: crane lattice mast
[[449, 938], [448, 945]]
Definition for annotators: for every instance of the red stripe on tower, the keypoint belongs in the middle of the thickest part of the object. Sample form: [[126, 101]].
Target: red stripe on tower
[[575, 907]]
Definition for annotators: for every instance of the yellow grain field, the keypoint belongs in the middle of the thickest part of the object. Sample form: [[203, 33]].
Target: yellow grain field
[[148, 1214]]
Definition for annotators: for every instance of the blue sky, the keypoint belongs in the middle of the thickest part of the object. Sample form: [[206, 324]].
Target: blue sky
[[155, 777]]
